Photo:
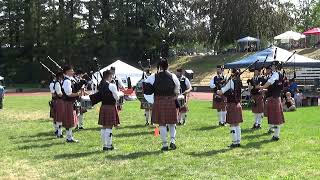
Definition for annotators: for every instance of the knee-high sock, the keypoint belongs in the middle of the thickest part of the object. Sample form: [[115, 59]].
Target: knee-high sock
[[219, 115], [147, 115], [233, 134], [80, 120], [172, 128], [180, 117], [59, 124], [108, 137], [238, 133], [163, 135], [55, 126], [223, 116], [260, 118], [103, 137], [277, 130], [257, 117], [69, 134], [183, 117]]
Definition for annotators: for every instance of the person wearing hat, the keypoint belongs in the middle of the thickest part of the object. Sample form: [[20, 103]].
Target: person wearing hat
[[166, 87], [185, 89], [256, 97], [219, 102], [274, 106], [232, 90]]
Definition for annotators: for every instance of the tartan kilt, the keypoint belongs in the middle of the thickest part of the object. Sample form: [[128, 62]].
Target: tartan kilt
[[108, 116], [70, 118], [59, 110], [184, 108], [258, 107], [275, 111], [234, 113], [52, 109], [220, 106], [164, 110]]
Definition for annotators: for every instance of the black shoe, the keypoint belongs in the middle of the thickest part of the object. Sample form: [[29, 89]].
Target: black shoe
[[275, 138], [147, 124], [108, 148], [173, 146], [56, 132], [234, 145], [179, 124], [270, 131], [71, 141], [81, 127], [165, 148], [60, 136], [105, 149], [222, 124]]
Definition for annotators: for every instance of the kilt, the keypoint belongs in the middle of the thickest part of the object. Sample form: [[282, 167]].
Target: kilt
[[275, 111], [59, 110], [234, 113], [70, 118], [220, 106], [164, 110], [258, 107], [52, 109], [184, 108], [108, 116]]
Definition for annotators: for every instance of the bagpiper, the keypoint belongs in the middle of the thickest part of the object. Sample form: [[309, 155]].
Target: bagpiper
[[185, 89], [165, 86], [219, 101]]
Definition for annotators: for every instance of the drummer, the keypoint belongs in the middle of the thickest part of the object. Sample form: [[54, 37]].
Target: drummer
[[185, 89]]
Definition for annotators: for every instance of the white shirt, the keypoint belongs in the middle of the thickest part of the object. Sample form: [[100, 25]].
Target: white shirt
[[115, 93], [229, 85], [175, 79], [57, 88], [188, 84], [212, 84], [51, 87], [67, 85], [274, 77]]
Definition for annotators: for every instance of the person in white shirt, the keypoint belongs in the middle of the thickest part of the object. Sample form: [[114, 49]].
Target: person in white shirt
[[70, 94], [59, 105], [185, 89], [166, 87], [108, 115], [52, 104], [119, 84]]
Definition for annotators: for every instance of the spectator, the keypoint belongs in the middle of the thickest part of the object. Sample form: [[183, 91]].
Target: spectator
[[298, 97], [293, 87], [288, 103]]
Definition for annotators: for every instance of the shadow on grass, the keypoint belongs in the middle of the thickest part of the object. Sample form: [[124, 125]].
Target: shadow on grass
[[34, 146], [247, 130], [76, 155], [88, 129], [133, 134], [40, 134], [134, 126], [134, 155], [255, 136], [209, 153], [35, 140], [257, 144], [207, 128]]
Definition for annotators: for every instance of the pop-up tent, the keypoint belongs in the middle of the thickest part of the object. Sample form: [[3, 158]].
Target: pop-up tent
[[123, 71], [282, 55], [290, 35]]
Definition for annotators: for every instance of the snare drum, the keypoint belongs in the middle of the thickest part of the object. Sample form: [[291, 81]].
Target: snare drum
[[86, 102], [181, 100]]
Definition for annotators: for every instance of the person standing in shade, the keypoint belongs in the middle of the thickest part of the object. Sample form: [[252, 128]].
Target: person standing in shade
[[185, 89]]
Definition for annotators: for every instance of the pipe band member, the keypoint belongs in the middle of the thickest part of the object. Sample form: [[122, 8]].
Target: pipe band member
[[70, 95], [108, 114], [274, 106], [232, 90], [59, 104], [219, 101], [185, 89], [166, 87], [256, 97]]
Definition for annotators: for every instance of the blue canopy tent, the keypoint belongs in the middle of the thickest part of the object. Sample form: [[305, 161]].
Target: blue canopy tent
[[281, 56]]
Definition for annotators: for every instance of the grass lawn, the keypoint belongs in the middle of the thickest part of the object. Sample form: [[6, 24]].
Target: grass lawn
[[30, 151]]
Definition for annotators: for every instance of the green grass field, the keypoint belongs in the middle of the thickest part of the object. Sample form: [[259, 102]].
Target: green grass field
[[30, 151]]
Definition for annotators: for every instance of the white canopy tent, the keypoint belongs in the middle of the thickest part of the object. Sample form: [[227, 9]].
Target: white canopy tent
[[282, 56], [247, 42], [290, 35], [247, 39], [123, 71]]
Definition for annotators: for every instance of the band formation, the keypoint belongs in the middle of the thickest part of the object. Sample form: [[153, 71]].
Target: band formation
[[169, 105]]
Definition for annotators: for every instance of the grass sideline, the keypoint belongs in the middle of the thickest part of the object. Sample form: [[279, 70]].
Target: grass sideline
[[30, 151]]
